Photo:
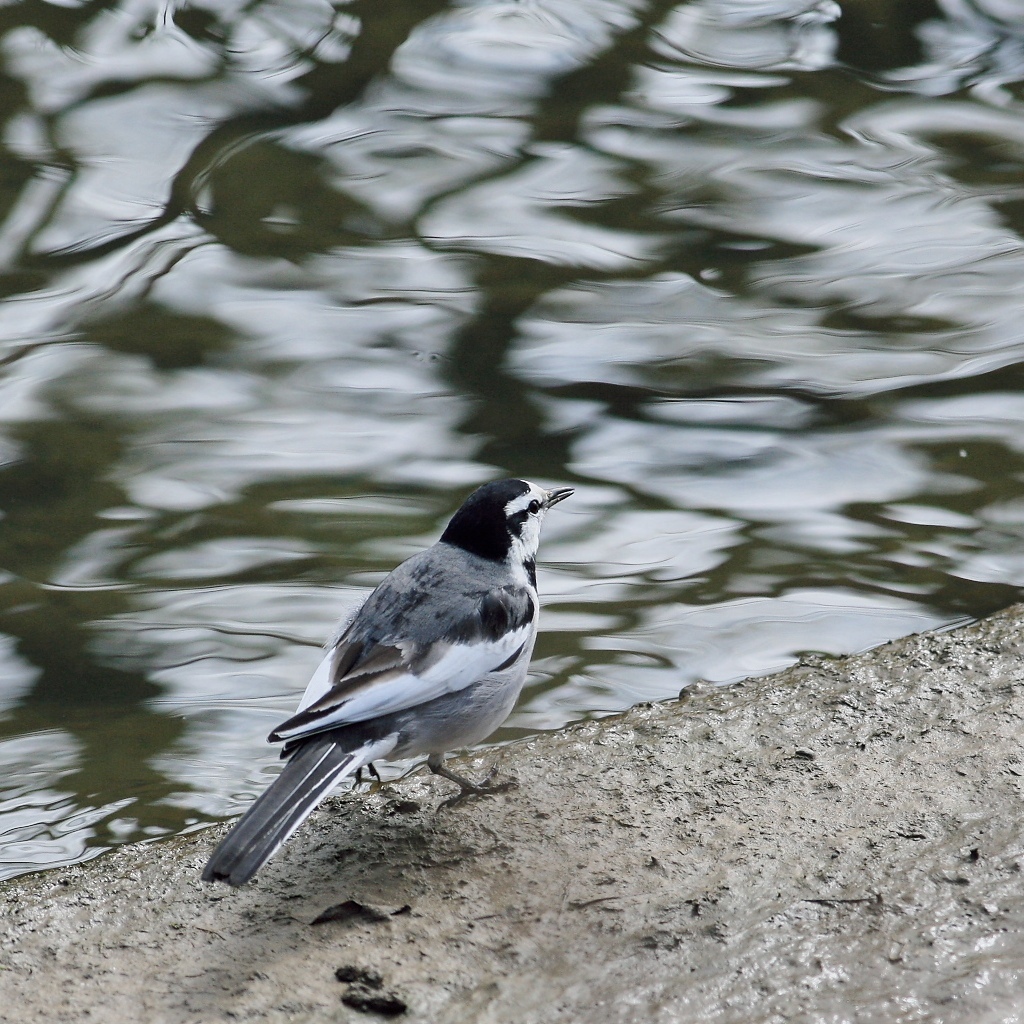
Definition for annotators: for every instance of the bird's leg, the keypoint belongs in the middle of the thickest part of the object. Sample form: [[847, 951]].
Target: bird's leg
[[371, 769], [436, 764]]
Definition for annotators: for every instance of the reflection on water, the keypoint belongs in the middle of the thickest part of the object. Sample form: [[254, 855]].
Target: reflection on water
[[282, 281]]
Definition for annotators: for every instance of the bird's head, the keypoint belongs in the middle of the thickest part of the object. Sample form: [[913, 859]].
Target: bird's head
[[501, 520]]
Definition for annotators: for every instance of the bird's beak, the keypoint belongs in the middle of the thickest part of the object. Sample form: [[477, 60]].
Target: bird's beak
[[557, 495]]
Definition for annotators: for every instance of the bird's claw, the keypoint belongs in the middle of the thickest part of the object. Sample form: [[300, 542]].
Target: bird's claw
[[467, 788], [485, 788]]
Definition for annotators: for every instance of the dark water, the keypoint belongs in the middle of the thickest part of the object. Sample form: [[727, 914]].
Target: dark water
[[282, 281]]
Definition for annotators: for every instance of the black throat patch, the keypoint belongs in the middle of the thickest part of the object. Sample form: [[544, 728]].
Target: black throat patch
[[530, 566]]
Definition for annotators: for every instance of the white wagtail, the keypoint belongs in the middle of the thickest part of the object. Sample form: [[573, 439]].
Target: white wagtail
[[434, 660]]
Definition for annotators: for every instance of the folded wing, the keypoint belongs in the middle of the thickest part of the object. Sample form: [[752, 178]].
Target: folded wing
[[360, 679]]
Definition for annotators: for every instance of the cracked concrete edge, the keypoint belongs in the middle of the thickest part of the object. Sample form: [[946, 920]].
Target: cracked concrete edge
[[840, 841]]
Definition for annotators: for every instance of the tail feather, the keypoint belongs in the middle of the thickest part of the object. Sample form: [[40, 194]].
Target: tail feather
[[307, 778]]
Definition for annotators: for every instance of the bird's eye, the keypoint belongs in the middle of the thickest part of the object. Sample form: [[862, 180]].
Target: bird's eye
[[534, 507]]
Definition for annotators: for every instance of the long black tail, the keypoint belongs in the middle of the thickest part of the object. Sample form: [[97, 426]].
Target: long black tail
[[307, 778]]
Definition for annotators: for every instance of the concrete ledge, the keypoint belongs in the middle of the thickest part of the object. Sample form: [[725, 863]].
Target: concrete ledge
[[839, 842]]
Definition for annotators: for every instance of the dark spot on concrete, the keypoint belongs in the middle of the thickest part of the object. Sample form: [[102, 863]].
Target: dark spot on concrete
[[368, 1000], [361, 975], [405, 806], [353, 910]]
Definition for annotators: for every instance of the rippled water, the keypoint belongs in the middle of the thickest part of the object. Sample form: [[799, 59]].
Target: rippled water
[[282, 281]]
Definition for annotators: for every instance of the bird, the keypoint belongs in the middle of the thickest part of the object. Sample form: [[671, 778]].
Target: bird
[[434, 660]]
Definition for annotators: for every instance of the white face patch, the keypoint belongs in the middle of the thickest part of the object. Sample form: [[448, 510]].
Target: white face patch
[[524, 516]]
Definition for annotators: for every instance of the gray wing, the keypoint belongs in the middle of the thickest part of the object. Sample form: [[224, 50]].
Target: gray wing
[[417, 637]]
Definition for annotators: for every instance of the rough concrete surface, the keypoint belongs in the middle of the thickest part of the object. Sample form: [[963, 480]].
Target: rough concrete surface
[[839, 842]]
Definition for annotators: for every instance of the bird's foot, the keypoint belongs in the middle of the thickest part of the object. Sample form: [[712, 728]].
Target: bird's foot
[[486, 787]]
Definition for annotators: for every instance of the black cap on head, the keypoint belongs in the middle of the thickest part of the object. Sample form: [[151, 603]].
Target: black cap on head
[[479, 526]]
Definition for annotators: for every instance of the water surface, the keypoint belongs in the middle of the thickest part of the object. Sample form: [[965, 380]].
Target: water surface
[[282, 281]]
